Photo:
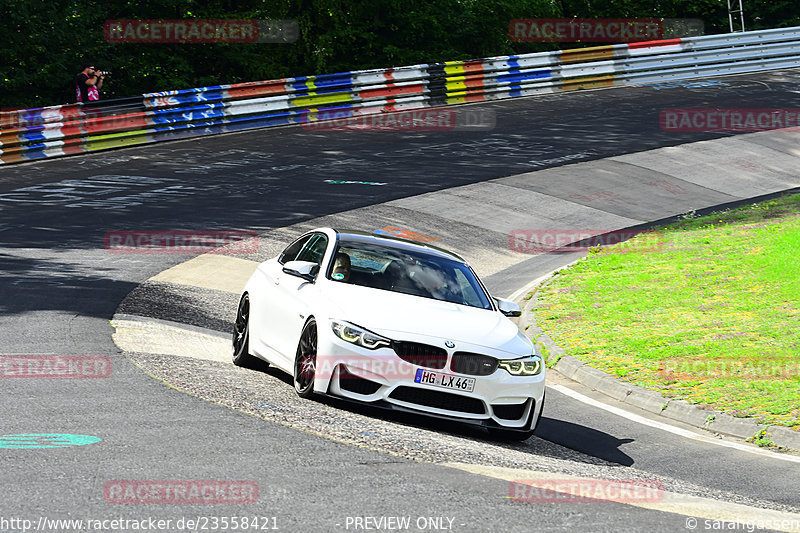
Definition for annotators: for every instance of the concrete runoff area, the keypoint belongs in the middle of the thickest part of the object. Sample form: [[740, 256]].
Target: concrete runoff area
[[490, 210]]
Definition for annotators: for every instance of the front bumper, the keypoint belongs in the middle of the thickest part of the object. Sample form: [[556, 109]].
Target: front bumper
[[383, 379]]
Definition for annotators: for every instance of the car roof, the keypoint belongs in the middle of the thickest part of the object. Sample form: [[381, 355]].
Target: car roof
[[397, 243]]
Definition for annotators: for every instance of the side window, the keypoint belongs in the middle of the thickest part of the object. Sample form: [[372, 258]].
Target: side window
[[291, 251], [314, 250]]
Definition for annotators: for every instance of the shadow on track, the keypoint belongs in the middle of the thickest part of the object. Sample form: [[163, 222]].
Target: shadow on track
[[583, 439], [550, 436]]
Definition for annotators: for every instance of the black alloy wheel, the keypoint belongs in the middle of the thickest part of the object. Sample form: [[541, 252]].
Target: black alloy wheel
[[305, 362], [241, 335]]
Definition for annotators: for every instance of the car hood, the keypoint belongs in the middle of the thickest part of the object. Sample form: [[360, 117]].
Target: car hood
[[397, 316]]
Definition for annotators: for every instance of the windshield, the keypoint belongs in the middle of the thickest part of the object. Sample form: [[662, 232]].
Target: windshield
[[397, 270]]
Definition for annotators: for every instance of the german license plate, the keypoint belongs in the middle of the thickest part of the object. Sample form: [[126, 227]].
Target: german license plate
[[445, 381]]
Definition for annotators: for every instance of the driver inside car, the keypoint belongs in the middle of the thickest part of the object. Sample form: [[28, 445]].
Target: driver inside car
[[341, 267]]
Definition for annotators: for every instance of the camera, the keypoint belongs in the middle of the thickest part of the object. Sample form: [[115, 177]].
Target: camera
[[102, 73]]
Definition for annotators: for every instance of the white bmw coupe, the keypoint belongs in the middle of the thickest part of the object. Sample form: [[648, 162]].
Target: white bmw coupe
[[392, 323]]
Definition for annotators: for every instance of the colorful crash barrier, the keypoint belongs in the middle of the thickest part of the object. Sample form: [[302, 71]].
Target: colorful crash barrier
[[31, 134]]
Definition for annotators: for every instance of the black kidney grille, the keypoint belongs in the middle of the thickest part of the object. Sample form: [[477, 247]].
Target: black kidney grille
[[421, 354], [473, 364], [440, 400]]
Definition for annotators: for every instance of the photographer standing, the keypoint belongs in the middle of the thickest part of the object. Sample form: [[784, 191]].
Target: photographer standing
[[88, 83]]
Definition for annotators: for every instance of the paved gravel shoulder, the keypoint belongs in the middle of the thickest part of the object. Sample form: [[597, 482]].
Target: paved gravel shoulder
[[268, 394]]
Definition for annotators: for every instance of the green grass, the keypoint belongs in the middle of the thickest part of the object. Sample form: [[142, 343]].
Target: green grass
[[707, 310]]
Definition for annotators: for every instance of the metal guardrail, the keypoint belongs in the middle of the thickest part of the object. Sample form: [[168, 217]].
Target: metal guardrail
[[76, 128]]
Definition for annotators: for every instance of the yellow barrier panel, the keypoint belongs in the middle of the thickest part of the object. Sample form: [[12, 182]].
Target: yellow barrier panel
[[581, 55]]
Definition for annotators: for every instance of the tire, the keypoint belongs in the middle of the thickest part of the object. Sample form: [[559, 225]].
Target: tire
[[241, 335], [305, 361]]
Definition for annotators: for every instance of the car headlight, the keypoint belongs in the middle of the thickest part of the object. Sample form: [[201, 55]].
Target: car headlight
[[358, 335], [528, 366]]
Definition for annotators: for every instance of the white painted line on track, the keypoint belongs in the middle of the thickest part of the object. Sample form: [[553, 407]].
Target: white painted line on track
[[530, 286], [713, 514], [159, 337], [210, 271], [671, 429]]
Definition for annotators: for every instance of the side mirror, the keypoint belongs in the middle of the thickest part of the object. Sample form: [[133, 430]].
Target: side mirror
[[507, 307], [302, 269]]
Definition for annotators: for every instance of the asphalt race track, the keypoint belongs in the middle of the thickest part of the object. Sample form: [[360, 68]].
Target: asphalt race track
[[320, 465]]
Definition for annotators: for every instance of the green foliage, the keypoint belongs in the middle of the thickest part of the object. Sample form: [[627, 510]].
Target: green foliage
[[45, 42], [710, 314], [762, 439]]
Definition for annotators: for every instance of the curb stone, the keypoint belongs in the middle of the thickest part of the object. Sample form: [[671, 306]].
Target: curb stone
[[685, 412], [651, 401], [568, 365], [784, 436]]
